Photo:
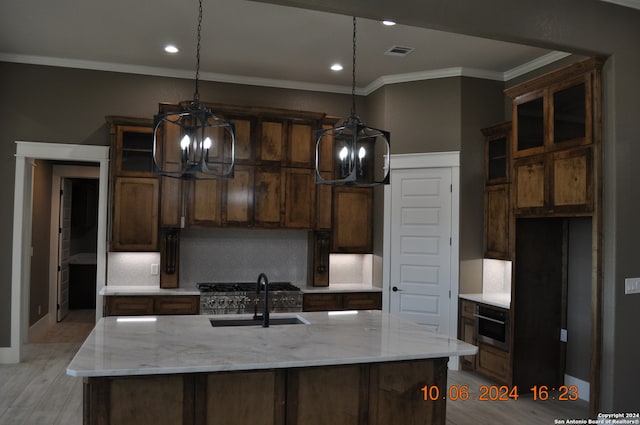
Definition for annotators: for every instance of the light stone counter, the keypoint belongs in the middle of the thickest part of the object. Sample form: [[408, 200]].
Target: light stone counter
[[501, 300], [189, 344]]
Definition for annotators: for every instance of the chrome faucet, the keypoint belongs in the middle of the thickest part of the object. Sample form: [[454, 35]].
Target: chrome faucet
[[262, 281]]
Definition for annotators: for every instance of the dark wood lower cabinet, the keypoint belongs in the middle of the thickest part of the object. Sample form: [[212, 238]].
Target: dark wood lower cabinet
[[330, 301], [140, 305], [360, 394]]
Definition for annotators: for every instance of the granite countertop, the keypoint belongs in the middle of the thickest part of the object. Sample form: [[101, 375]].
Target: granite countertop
[[189, 344], [132, 290], [502, 300], [341, 287]]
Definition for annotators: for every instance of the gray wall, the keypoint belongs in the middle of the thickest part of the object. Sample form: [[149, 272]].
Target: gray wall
[[578, 360], [60, 105], [482, 105], [422, 116], [584, 27], [40, 228]]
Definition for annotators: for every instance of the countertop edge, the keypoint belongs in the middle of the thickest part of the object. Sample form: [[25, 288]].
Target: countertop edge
[[484, 299]]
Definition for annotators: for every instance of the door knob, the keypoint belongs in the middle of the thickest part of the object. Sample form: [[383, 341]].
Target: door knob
[[395, 289]]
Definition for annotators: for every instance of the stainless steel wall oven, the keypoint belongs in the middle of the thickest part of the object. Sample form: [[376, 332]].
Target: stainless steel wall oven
[[493, 326]]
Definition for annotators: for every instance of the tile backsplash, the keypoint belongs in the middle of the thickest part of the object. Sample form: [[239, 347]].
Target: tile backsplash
[[132, 268], [240, 255], [496, 276]]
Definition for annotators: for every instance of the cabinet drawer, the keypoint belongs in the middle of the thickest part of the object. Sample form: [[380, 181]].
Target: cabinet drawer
[[362, 301], [493, 362], [322, 302], [128, 306], [179, 304], [467, 308]]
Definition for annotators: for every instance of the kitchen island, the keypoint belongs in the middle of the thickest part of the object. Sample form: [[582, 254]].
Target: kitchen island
[[362, 368]]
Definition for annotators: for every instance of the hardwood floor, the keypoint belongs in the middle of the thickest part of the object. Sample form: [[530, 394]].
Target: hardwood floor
[[523, 411], [39, 392]]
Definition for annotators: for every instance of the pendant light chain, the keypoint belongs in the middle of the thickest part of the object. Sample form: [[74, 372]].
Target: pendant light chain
[[196, 95], [353, 72]]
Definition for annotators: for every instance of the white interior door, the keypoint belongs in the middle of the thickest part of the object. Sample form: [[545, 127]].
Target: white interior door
[[64, 248], [421, 245]]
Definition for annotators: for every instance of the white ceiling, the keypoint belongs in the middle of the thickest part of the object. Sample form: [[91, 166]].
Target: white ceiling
[[246, 42]]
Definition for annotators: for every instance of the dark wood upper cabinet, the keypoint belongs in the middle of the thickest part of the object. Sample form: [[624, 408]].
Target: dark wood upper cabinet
[[555, 111], [555, 118], [271, 144], [352, 220], [529, 124], [497, 149]]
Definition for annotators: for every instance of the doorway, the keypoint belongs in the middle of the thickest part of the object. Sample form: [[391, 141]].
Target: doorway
[[26, 153], [552, 303], [73, 239]]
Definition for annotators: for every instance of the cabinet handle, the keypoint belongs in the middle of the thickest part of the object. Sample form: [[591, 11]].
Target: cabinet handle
[[489, 319]]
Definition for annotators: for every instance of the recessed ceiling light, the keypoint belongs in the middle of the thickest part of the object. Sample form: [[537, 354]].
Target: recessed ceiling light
[[336, 67], [171, 49], [388, 23]]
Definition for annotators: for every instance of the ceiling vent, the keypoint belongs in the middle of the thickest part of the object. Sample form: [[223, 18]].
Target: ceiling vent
[[399, 51]]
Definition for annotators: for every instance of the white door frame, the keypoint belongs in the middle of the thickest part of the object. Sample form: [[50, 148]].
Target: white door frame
[[418, 161], [21, 259]]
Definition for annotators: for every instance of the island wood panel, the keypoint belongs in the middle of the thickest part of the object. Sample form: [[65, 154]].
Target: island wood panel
[[240, 398], [328, 395], [395, 395], [356, 394]]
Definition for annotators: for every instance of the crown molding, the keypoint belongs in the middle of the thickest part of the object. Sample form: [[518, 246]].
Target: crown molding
[[534, 64], [635, 4], [287, 84]]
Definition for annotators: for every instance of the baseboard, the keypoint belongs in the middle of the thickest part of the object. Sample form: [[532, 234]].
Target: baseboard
[[9, 355], [583, 386], [39, 328]]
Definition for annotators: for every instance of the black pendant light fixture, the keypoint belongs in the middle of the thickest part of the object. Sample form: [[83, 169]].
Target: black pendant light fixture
[[360, 153], [193, 143]]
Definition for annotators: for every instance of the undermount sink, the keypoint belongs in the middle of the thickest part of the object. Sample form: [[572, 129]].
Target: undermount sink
[[273, 321]]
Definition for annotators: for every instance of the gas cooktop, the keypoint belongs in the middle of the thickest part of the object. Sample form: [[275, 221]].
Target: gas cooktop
[[243, 286]]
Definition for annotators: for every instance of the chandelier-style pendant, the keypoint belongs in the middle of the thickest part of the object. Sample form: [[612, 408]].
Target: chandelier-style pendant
[[194, 144], [359, 154]]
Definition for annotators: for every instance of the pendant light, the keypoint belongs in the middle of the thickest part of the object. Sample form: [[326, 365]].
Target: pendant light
[[360, 154], [193, 143]]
